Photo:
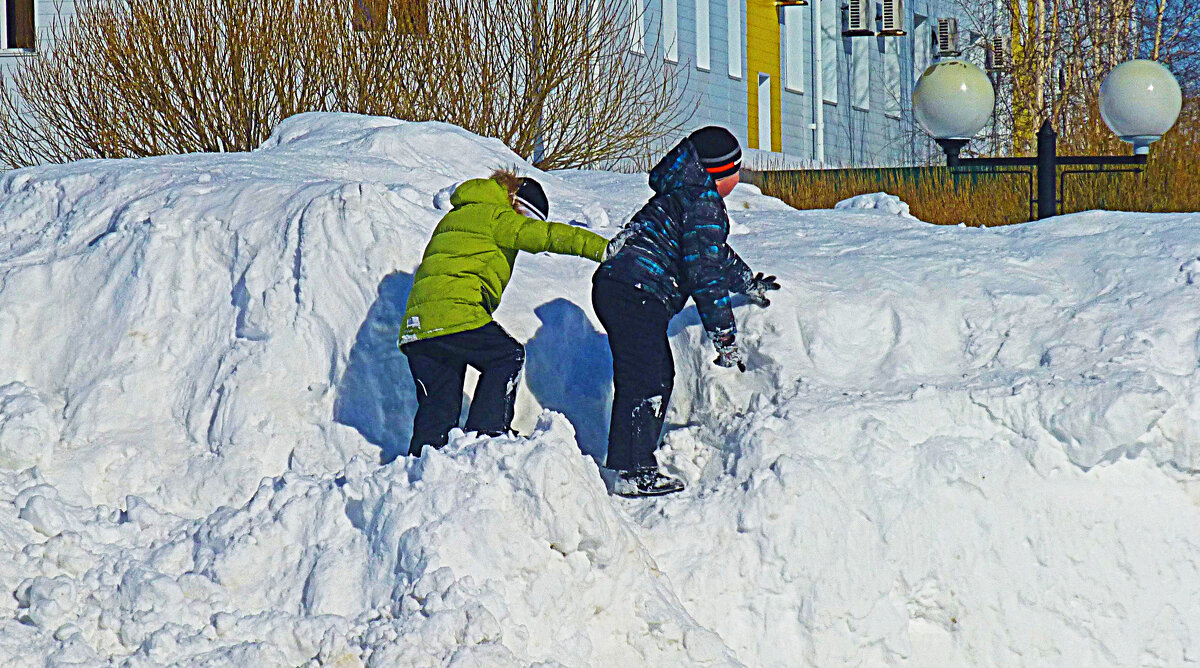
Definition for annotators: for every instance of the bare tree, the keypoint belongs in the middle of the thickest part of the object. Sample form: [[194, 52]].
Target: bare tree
[[1062, 50], [556, 80], [147, 77], [1170, 33]]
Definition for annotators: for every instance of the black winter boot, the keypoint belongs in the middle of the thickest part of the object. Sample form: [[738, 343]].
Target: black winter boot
[[645, 482]]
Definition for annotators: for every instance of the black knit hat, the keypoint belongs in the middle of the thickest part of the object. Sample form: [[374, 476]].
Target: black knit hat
[[533, 198], [719, 152]]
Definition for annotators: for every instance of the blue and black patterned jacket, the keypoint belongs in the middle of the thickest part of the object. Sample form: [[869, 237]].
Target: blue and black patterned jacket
[[675, 246]]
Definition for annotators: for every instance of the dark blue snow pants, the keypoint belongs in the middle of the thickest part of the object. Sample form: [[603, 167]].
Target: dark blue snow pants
[[439, 368], [643, 370]]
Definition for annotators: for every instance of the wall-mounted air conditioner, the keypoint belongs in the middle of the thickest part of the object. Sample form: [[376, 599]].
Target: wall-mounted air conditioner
[[860, 18], [947, 38], [892, 21], [998, 57]]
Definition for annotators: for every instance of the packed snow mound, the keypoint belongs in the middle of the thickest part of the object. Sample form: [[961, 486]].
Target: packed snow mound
[[386, 566], [191, 324], [882, 201], [952, 446]]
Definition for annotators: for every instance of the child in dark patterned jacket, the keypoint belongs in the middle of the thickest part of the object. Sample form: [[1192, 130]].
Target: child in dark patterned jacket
[[673, 249]]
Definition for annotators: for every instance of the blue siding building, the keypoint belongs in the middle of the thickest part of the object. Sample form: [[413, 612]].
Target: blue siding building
[[834, 101], [782, 77]]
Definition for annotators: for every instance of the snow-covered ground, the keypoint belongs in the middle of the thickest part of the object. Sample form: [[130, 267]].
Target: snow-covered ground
[[953, 446]]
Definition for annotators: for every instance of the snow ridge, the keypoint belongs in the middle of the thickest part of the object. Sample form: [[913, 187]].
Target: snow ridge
[[952, 446]]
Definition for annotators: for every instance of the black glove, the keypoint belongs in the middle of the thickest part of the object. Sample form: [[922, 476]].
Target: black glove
[[616, 244], [757, 288], [728, 354], [729, 357]]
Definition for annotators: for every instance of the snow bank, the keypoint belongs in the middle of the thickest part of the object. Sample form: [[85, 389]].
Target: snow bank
[[882, 201], [386, 565], [953, 446]]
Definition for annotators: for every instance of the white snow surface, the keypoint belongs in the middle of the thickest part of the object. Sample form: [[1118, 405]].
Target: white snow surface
[[882, 201], [952, 446]]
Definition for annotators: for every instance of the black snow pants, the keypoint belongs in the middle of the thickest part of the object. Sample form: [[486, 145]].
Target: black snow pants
[[439, 368], [643, 370]]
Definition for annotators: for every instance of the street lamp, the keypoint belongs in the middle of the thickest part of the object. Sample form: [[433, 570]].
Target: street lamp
[[1139, 100], [953, 100]]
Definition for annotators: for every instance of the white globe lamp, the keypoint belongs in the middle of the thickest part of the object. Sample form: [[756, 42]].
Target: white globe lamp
[[952, 102], [1139, 101]]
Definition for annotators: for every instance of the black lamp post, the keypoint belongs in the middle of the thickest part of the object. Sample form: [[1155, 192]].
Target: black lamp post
[[1139, 100], [1049, 187]]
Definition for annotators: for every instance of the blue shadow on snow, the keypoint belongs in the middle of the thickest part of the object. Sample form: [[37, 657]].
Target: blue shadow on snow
[[376, 395], [568, 369]]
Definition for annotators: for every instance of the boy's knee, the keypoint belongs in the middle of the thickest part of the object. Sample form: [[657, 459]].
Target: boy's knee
[[514, 360]]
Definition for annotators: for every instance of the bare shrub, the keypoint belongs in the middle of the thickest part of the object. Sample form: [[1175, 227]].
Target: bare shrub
[[150, 77], [556, 82], [934, 195]]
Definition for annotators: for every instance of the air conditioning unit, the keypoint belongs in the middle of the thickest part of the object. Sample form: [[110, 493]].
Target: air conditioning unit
[[947, 38], [860, 17], [370, 15], [998, 57], [892, 21]]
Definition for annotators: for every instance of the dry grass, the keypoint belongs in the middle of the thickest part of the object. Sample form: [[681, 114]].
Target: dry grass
[[932, 194], [1170, 183]]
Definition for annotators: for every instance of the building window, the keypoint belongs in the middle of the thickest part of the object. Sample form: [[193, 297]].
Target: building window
[[892, 91], [764, 111], [831, 35], [19, 28], [922, 43], [637, 30], [670, 29], [703, 42], [793, 52], [404, 16], [734, 22], [860, 76]]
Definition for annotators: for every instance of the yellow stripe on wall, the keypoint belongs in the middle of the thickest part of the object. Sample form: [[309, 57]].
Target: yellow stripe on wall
[[763, 56]]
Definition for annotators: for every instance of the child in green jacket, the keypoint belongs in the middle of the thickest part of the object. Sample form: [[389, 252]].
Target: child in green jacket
[[448, 321]]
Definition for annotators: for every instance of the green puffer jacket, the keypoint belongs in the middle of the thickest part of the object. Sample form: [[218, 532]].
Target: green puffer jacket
[[469, 259]]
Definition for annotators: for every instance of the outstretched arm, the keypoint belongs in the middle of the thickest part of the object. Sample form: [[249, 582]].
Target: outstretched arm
[[746, 282], [737, 271], [705, 263], [512, 230]]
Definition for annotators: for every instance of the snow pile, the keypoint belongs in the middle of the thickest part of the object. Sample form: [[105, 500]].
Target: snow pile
[[882, 201], [386, 565], [28, 431], [192, 320], [953, 446]]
